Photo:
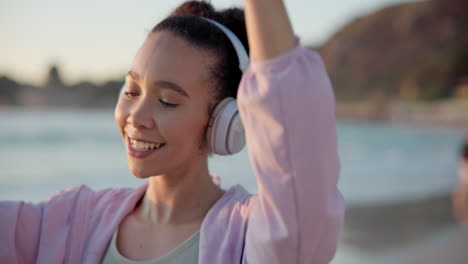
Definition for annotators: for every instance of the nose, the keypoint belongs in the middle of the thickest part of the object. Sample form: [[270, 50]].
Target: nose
[[141, 116]]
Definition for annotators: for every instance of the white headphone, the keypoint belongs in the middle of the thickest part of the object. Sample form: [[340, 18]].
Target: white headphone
[[225, 133]]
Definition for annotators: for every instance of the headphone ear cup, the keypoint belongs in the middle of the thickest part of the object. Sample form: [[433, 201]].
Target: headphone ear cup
[[213, 124], [236, 135], [225, 134]]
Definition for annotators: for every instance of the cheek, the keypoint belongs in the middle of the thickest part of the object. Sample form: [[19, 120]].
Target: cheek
[[120, 114], [186, 129]]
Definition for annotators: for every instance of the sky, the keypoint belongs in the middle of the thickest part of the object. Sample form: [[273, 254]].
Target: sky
[[96, 40]]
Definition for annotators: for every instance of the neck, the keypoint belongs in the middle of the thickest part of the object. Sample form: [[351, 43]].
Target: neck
[[183, 196]]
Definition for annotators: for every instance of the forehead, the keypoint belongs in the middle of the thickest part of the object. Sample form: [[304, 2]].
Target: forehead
[[165, 56]]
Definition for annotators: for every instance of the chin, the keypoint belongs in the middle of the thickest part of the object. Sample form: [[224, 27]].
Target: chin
[[139, 176], [142, 173]]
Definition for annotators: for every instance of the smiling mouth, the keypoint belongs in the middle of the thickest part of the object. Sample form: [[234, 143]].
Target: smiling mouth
[[144, 146]]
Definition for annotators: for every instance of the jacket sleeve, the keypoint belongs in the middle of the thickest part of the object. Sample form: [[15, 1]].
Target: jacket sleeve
[[287, 108], [39, 233], [20, 224]]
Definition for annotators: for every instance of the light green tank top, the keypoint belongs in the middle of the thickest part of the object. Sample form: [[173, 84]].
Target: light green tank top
[[185, 253]]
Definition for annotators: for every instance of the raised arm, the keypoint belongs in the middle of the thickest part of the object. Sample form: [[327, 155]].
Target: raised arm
[[287, 106], [268, 29]]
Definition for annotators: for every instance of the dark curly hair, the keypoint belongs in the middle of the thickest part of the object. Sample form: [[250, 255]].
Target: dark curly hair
[[184, 21]]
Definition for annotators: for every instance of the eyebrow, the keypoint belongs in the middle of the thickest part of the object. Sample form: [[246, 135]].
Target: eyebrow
[[161, 83]]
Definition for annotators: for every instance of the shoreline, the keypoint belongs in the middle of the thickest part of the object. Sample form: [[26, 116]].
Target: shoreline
[[443, 113]]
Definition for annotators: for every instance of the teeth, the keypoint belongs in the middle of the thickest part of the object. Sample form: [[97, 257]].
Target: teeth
[[143, 146]]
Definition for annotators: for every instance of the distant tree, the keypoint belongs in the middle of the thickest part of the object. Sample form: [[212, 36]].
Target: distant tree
[[8, 90], [54, 80]]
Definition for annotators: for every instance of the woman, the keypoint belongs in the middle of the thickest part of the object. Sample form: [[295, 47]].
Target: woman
[[183, 70]]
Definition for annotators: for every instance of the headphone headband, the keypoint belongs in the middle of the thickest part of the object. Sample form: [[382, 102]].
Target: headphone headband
[[240, 50]]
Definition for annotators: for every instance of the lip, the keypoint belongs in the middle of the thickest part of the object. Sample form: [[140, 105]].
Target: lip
[[139, 154], [142, 140]]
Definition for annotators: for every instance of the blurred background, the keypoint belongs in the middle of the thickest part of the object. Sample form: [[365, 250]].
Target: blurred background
[[400, 73]]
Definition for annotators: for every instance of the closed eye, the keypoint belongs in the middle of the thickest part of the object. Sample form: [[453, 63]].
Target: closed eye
[[168, 105]]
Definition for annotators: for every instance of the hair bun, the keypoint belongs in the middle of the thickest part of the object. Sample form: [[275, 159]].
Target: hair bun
[[232, 18], [196, 8]]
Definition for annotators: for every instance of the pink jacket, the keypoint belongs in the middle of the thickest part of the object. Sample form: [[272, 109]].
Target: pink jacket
[[287, 107]]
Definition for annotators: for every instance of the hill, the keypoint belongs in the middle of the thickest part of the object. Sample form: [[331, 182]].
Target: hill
[[416, 51]]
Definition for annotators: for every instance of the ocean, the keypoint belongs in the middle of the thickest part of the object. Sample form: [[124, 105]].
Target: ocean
[[44, 151]]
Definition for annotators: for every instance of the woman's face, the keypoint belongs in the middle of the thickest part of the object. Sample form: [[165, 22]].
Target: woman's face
[[163, 113]]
